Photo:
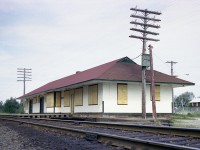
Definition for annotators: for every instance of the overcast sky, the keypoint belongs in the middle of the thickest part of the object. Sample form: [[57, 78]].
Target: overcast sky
[[56, 38]]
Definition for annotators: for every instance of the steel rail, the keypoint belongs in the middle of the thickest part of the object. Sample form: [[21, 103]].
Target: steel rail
[[126, 142], [191, 132]]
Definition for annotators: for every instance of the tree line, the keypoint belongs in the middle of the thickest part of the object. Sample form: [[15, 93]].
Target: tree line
[[11, 106]]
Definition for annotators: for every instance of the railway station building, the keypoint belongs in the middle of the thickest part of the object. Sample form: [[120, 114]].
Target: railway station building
[[111, 88]]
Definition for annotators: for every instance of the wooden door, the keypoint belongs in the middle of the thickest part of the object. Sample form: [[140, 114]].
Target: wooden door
[[41, 105], [30, 106]]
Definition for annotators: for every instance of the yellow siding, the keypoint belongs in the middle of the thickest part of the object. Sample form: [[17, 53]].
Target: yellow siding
[[58, 99], [67, 98], [50, 100], [122, 94], [78, 99], [93, 95], [157, 92]]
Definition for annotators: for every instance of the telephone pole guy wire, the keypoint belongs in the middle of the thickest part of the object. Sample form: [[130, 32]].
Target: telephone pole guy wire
[[145, 58]]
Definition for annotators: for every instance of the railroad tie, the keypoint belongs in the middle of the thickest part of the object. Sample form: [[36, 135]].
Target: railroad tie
[[91, 137]]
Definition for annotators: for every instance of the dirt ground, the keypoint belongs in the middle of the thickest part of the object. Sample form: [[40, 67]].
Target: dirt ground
[[20, 137]]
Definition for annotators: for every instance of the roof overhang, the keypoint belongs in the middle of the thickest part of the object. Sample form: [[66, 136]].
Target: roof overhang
[[96, 81]]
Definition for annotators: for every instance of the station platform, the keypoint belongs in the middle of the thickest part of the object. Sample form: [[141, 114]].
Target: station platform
[[163, 119]]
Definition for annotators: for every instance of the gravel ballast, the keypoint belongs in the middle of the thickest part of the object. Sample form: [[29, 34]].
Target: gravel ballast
[[20, 137]]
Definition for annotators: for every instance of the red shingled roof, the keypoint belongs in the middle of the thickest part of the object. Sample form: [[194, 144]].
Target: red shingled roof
[[123, 69]]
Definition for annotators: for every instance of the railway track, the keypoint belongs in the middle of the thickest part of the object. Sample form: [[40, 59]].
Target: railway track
[[123, 135]]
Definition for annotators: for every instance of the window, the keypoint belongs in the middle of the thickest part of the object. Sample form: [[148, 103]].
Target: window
[[122, 94], [50, 100], [78, 99], [93, 94], [66, 99], [58, 99], [157, 92]]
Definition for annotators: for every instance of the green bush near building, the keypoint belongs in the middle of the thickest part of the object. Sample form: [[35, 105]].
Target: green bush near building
[[11, 106]]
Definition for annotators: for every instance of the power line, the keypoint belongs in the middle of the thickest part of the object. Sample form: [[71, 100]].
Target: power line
[[160, 59], [137, 57]]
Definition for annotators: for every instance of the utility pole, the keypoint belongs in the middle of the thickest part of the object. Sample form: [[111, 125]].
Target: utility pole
[[24, 75], [172, 74], [172, 64], [144, 25], [154, 115]]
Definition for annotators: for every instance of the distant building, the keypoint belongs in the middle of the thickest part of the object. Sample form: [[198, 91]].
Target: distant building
[[114, 87], [195, 102]]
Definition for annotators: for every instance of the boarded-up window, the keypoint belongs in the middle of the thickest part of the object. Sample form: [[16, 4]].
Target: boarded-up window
[[157, 92], [93, 95], [50, 100], [38, 99], [58, 99], [122, 94], [78, 99], [34, 100], [66, 99], [27, 102]]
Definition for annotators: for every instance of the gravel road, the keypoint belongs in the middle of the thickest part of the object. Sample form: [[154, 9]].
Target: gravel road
[[20, 137]]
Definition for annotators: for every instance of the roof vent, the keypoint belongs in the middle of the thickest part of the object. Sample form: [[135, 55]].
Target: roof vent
[[77, 72]]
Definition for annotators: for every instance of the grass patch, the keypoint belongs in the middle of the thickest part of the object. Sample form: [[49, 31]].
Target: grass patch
[[194, 114], [175, 119], [189, 120], [182, 116], [6, 114], [189, 115]]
